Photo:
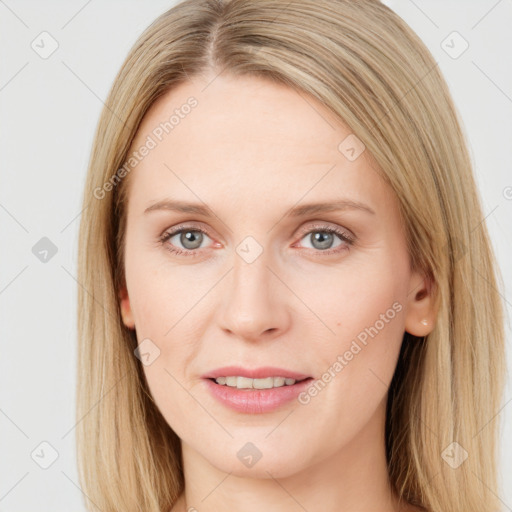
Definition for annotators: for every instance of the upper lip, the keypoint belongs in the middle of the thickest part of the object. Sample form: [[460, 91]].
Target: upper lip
[[254, 373]]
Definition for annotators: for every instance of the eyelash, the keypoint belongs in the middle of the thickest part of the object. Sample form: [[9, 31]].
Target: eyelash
[[317, 228]]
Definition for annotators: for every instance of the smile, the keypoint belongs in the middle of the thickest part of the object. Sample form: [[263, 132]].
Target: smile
[[248, 383], [254, 400]]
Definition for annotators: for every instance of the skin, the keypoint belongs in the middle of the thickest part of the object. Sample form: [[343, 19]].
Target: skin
[[251, 150]]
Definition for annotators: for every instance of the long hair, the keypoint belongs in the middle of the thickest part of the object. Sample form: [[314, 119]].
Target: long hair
[[360, 60]]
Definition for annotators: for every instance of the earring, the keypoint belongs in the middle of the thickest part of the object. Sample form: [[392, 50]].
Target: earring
[[424, 321]]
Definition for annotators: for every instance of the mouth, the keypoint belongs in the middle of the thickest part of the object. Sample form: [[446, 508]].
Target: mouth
[[256, 395], [261, 373], [247, 383]]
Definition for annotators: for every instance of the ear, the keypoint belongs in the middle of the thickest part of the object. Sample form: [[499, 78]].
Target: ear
[[126, 310], [421, 305]]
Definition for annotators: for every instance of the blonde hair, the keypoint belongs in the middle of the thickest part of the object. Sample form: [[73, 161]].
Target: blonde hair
[[360, 60]]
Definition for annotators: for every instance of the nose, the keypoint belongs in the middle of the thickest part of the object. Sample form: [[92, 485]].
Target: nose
[[256, 303]]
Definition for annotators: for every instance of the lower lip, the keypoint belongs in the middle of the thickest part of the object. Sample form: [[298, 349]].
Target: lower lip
[[256, 401]]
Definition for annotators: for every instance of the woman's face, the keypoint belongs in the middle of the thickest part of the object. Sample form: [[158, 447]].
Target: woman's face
[[259, 280]]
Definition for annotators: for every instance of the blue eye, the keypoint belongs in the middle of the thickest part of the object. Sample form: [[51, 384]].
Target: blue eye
[[190, 238], [323, 239], [321, 236]]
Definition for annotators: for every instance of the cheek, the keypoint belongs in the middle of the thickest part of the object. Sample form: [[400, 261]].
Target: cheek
[[161, 293], [166, 305], [372, 309], [342, 301], [364, 305]]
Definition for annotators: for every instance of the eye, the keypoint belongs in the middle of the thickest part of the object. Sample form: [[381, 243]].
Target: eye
[[322, 238], [190, 239]]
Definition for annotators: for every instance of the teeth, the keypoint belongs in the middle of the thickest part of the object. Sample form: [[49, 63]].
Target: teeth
[[231, 381], [261, 383], [247, 383], [244, 382], [279, 381]]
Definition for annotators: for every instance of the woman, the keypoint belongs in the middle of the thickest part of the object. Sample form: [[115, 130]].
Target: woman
[[288, 296]]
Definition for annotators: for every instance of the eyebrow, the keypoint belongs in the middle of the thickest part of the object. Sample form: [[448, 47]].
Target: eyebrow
[[296, 211]]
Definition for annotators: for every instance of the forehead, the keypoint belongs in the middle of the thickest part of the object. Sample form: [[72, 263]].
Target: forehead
[[248, 135], [231, 108]]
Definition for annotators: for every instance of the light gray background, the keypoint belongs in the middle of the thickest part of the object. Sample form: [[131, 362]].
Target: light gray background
[[49, 110]]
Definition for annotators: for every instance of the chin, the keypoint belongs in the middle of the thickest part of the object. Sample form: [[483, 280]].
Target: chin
[[258, 460]]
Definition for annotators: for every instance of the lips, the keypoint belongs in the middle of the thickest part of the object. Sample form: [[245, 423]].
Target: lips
[[256, 373], [255, 401]]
